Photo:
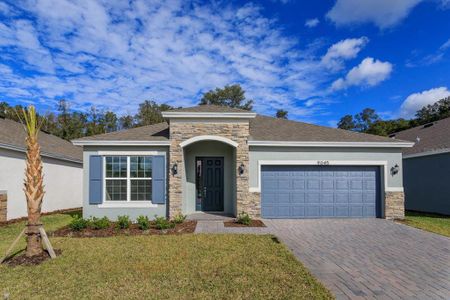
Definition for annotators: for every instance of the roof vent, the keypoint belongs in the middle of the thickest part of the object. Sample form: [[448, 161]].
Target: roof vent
[[417, 140], [392, 135], [428, 125]]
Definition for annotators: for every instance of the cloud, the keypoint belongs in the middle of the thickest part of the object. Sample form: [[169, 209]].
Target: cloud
[[343, 50], [430, 59], [445, 45], [369, 72], [310, 23], [416, 101], [382, 13]]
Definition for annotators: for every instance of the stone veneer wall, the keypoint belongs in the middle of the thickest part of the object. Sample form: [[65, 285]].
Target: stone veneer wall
[[3, 206], [235, 131], [394, 205]]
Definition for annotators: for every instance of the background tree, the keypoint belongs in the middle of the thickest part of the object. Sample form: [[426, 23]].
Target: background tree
[[126, 122], [230, 95], [365, 119], [281, 114], [111, 121], [433, 112], [150, 113], [347, 123], [95, 123]]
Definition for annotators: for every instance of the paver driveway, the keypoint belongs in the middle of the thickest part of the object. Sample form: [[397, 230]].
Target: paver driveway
[[370, 258]]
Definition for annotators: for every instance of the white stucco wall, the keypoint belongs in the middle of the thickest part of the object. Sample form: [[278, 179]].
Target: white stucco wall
[[62, 180]]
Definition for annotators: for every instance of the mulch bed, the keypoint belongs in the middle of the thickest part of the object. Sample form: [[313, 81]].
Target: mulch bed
[[253, 223], [112, 230], [23, 260]]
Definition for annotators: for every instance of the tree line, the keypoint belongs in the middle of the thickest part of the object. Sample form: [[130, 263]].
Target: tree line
[[368, 121]]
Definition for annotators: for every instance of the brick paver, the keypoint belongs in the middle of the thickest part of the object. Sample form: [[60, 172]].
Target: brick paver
[[370, 258]]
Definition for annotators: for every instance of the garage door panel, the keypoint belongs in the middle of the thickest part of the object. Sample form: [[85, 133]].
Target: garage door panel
[[319, 191]]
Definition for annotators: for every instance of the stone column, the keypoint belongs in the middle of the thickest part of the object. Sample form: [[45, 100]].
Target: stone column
[[394, 203], [3, 206]]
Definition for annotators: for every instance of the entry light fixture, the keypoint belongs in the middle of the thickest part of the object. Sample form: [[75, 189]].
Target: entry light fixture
[[394, 170], [241, 169], [174, 169]]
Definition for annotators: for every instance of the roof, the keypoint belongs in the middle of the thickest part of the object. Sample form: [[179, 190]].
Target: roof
[[264, 128], [155, 132], [210, 108], [430, 137], [12, 136]]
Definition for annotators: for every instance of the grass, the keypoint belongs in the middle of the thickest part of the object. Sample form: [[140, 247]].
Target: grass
[[430, 222], [174, 267]]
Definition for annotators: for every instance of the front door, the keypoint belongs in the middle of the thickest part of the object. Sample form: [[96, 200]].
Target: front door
[[210, 183]]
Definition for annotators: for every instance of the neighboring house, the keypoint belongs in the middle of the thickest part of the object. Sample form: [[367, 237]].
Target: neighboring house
[[62, 165], [220, 159], [426, 167]]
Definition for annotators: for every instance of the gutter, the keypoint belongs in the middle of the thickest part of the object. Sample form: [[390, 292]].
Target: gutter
[[332, 144], [119, 143], [43, 153], [427, 153]]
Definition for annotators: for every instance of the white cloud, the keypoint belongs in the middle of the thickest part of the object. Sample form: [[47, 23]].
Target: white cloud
[[383, 13], [369, 72], [310, 23], [445, 45], [416, 101], [343, 50]]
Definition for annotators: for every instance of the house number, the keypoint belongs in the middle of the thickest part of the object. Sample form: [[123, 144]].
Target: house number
[[323, 162]]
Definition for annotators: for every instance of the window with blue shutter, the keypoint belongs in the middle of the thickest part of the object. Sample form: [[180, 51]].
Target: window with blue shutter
[[159, 179], [95, 179]]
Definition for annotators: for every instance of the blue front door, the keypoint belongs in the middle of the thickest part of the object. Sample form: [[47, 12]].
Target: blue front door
[[320, 191]]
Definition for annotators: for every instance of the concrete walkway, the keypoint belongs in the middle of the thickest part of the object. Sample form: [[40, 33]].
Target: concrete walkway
[[363, 258]]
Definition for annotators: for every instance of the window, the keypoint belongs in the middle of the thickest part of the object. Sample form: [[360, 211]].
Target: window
[[128, 178]]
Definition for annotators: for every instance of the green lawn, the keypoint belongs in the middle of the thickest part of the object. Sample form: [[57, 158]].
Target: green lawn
[[430, 222], [176, 267]]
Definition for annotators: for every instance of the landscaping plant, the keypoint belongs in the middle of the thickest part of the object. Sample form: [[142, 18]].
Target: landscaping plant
[[244, 218], [33, 182], [163, 223], [78, 223], [143, 222], [123, 222], [179, 218], [99, 223]]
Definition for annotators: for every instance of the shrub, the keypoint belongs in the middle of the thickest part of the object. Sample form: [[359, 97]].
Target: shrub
[[243, 218], [99, 223], [123, 222], [178, 219], [78, 223], [143, 222], [163, 223]]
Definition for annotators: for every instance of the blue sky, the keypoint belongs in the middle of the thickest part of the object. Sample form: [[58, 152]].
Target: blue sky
[[319, 60]]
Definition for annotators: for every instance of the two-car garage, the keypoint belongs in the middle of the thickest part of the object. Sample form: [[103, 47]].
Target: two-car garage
[[304, 191]]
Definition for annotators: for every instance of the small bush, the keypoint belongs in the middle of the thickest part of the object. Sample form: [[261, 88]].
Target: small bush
[[178, 219], [143, 222], [99, 223], [243, 218], [123, 222], [163, 223], [78, 223]]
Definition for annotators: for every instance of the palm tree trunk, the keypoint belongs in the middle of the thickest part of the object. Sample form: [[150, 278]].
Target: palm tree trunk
[[34, 192]]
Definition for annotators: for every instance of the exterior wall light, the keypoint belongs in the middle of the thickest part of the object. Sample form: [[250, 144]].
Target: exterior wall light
[[241, 169], [395, 169], [174, 169]]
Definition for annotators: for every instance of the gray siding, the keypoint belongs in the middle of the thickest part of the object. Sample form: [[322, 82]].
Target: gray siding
[[427, 183], [391, 155], [112, 213]]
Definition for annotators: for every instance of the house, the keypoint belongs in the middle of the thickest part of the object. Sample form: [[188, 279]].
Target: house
[[62, 165], [219, 159], [426, 167]]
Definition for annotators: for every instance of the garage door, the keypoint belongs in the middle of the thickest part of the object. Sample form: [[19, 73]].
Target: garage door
[[320, 191]]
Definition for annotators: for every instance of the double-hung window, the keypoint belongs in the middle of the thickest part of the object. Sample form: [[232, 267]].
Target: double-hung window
[[128, 178]]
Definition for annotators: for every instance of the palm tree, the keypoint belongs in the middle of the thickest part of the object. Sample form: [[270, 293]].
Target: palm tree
[[33, 182]]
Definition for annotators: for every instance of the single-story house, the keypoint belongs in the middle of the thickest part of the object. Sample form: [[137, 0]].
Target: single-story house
[[218, 159], [426, 167], [62, 165]]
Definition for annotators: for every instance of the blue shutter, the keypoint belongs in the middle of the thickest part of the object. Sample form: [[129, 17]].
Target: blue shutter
[[95, 179], [159, 179]]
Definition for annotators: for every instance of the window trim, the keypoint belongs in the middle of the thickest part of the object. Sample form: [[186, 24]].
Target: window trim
[[128, 202]]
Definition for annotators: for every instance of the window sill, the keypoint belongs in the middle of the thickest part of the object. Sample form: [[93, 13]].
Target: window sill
[[127, 205]]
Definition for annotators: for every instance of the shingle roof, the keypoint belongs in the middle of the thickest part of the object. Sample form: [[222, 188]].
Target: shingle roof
[[433, 136], [210, 108], [155, 132], [263, 128], [12, 135]]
